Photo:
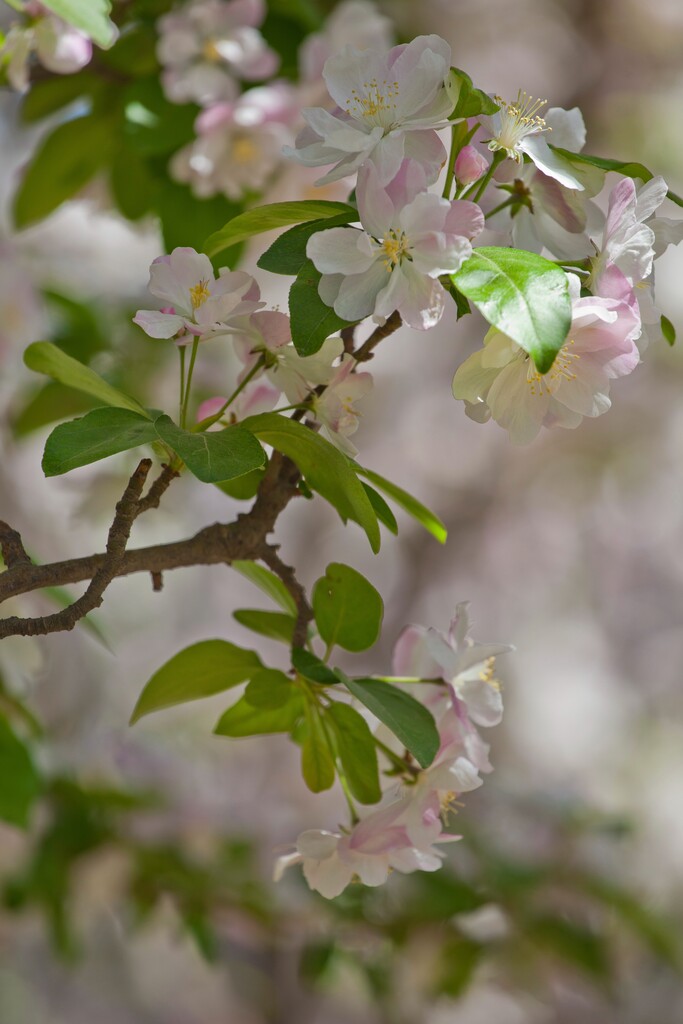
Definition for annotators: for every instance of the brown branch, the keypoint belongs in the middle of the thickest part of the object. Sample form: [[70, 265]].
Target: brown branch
[[158, 489], [365, 352], [11, 546], [287, 574]]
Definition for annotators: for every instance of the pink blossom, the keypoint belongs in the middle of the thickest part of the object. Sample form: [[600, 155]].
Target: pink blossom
[[335, 408], [258, 396], [355, 23], [470, 165], [58, 46], [409, 238]]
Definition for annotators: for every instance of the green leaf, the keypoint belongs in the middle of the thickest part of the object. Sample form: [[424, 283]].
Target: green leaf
[[64, 162], [242, 719], [382, 510], [467, 100], [462, 306], [523, 295], [408, 503], [348, 610], [268, 582], [213, 455], [459, 959], [326, 470], [201, 670], [243, 488], [311, 320], [629, 168], [133, 184], [90, 16], [311, 667], [95, 436], [54, 93], [269, 217], [21, 783], [572, 942], [44, 357], [275, 625], [668, 330], [357, 752], [409, 720], [287, 254], [317, 763], [268, 688]]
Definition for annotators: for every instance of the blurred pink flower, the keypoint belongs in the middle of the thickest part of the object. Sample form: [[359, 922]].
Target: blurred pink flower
[[335, 408], [58, 46], [355, 23]]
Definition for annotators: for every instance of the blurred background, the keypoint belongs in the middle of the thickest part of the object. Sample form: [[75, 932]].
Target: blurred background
[[146, 896]]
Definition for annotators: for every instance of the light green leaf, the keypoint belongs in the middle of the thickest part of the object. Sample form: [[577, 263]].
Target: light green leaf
[[201, 670], [95, 436], [66, 160], [411, 505], [213, 456], [317, 763], [269, 217], [275, 625], [382, 510], [311, 320], [467, 100], [90, 16], [629, 168], [268, 688], [242, 719], [44, 357], [521, 294], [287, 254], [357, 752], [325, 469], [409, 720], [311, 667], [20, 783], [348, 610], [668, 330], [268, 582]]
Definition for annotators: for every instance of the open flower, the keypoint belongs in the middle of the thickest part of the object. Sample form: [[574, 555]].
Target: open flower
[[199, 305], [207, 44], [355, 23], [388, 107], [58, 46], [410, 237], [335, 408], [501, 380]]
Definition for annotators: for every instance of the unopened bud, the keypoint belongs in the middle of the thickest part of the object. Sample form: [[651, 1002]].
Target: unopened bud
[[470, 165]]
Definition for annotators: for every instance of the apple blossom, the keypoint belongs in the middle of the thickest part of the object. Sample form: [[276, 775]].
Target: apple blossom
[[208, 44], [201, 306], [335, 409], [501, 380], [58, 46], [388, 109], [258, 396], [409, 238], [355, 23], [470, 165]]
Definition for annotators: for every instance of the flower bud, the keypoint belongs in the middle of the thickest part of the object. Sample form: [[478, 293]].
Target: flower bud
[[470, 165]]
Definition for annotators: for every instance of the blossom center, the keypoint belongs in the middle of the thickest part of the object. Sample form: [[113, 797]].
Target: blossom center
[[211, 52], [487, 673], [244, 150], [561, 370], [199, 293], [517, 120], [376, 103], [395, 247]]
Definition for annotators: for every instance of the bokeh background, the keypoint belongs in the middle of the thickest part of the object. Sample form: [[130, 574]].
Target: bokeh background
[[570, 548]]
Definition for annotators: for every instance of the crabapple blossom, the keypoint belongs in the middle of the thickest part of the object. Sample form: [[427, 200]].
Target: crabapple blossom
[[239, 145], [409, 238], [355, 23], [335, 409], [388, 109], [469, 165], [208, 44], [200, 306], [58, 46], [501, 380], [516, 130], [258, 396]]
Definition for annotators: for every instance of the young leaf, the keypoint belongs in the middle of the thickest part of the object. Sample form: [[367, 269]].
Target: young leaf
[[275, 625], [317, 763], [21, 784], [268, 582], [95, 436], [411, 505], [90, 16], [266, 218], [213, 455], [287, 254], [311, 320], [64, 162], [201, 670], [311, 667], [468, 101], [357, 752], [382, 510], [326, 470], [668, 330], [409, 720], [348, 610], [268, 688], [44, 357], [242, 719], [521, 294]]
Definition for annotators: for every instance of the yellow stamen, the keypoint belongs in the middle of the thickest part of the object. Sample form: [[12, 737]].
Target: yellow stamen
[[375, 102], [199, 293], [395, 246]]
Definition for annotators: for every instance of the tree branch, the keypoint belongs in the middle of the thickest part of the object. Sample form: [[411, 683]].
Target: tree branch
[[287, 574]]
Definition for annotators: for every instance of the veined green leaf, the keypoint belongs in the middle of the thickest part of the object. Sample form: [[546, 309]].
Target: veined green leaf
[[357, 752], [312, 321], [95, 436], [44, 357], [317, 763], [242, 719], [348, 610], [409, 720], [213, 456], [269, 217], [276, 625]]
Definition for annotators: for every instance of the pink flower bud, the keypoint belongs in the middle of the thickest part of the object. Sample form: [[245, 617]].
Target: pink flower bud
[[470, 165]]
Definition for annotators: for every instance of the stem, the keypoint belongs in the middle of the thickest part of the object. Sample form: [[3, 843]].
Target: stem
[[450, 170], [497, 159], [340, 771], [395, 758], [186, 398], [182, 382], [210, 420], [501, 206]]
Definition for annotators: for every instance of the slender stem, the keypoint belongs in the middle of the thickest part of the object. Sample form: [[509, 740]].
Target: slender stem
[[497, 159], [450, 170], [391, 755], [214, 418], [186, 398], [182, 381], [501, 206]]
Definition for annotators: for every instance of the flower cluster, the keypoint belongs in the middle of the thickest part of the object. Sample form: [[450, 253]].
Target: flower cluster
[[403, 832], [58, 46]]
